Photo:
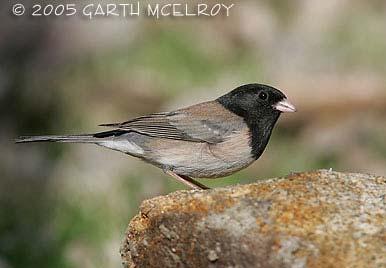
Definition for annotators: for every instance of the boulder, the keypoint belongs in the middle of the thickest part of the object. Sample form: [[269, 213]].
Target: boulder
[[311, 219]]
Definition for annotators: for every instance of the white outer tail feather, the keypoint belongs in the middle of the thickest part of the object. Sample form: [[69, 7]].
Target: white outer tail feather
[[121, 143]]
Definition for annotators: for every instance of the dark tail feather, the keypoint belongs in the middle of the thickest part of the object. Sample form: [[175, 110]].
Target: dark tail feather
[[83, 138], [68, 138], [109, 125]]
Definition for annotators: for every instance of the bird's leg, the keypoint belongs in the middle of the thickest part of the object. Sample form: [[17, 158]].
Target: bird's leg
[[187, 180]]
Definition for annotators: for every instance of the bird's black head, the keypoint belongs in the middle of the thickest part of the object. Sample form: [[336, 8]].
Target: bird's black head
[[256, 101], [260, 106]]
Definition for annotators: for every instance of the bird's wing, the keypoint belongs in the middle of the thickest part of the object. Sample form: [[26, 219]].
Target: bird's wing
[[206, 122]]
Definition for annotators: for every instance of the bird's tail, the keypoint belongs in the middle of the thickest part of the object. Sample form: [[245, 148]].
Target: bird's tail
[[82, 138], [55, 138]]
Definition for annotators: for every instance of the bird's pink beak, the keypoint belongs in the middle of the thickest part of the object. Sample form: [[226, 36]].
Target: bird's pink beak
[[285, 106]]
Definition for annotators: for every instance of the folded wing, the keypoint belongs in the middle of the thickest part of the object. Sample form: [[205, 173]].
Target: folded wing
[[206, 122]]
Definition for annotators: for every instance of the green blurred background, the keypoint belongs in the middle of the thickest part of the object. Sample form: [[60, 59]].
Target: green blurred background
[[65, 205]]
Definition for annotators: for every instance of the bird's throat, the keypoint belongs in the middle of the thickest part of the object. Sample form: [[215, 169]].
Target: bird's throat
[[261, 130]]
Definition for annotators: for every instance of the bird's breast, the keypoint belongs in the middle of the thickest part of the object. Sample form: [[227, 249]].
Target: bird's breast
[[203, 160]]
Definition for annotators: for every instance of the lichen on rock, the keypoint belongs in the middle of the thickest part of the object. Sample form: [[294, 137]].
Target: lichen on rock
[[312, 219]]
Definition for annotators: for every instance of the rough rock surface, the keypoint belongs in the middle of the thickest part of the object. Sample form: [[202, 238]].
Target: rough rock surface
[[314, 219]]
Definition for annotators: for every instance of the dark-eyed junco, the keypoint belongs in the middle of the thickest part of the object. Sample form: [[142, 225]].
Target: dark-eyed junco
[[207, 140]]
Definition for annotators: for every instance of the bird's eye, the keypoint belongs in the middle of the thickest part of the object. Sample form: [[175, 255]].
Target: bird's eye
[[263, 95]]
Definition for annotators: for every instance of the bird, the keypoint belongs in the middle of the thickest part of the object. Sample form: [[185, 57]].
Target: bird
[[211, 139]]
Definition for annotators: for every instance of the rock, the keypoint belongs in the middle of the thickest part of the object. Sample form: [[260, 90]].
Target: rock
[[314, 219]]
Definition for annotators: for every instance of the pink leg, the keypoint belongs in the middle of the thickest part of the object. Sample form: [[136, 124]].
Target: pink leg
[[187, 181]]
